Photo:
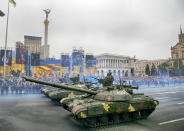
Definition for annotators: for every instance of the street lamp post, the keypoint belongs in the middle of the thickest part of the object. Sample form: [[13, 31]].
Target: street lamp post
[[1, 14], [6, 37]]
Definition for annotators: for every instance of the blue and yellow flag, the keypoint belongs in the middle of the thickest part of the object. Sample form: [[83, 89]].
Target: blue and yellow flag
[[13, 2], [121, 61]]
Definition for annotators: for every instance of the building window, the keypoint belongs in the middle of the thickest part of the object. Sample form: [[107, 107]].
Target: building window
[[123, 73], [102, 72], [118, 72], [97, 72]]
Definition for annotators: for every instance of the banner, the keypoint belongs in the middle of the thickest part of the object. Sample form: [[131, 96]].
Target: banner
[[35, 59], [21, 55], [8, 57]]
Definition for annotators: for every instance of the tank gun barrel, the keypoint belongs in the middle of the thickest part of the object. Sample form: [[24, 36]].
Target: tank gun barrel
[[131, 87], [59, 86]]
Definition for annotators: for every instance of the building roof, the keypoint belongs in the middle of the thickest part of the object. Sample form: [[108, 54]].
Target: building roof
[[113, 55], [32, 37]]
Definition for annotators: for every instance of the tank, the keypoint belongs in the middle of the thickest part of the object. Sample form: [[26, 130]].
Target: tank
[[113, 104], [69, 102], [57, 95], [48, 90]]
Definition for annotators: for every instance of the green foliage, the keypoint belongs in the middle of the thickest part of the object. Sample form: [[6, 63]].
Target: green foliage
[[153, 70], [147, 70], [126, 73], [176, 70], [163, 68], [132, 71]]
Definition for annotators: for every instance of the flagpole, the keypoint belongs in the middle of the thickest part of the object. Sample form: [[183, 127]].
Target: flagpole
[[6, 38]]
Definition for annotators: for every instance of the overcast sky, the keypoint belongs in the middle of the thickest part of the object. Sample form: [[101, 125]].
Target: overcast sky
[[142, 28]]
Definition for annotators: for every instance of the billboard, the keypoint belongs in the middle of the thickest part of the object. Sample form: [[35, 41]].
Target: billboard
[[89, 61], [65, 61], [35, 59], [21, 55], [8, 57]]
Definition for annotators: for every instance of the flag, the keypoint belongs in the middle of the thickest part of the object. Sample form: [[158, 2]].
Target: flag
[[121, 61], [13, 2]]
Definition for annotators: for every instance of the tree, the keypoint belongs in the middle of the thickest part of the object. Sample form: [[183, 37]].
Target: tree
[[163, 68], [147, 70], [126, 73], [153, 70], [132, 71]]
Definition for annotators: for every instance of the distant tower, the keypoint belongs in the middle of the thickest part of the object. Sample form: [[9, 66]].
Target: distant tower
[[46, 46], [181, 36]]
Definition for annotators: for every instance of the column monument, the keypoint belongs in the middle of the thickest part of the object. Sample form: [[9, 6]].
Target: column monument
[[46, 46]]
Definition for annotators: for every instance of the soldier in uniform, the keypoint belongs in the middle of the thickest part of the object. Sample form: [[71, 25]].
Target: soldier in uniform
[[108, 80], [76, 79]]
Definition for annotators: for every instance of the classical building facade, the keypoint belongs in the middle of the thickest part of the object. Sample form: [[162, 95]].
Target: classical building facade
[[117, 64], [140, 65], [177, 51]]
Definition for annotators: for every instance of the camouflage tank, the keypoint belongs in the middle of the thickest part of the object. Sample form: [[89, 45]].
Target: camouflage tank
[[108, 106], [69, 102], [48, 90], [57, 95]]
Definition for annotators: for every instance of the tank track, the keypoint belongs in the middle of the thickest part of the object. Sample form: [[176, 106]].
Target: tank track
[[56, 102], [111, 119]]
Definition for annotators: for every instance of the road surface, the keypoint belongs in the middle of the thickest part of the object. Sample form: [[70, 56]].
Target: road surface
[[37, 113]]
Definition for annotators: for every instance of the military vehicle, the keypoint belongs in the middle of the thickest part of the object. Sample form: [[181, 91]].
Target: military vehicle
[[57, 95], [110, 106], [47, 90], [69, 102]]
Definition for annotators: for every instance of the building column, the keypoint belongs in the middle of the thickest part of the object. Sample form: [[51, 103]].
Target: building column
[[105, 63], [113, 63], [110, 63]]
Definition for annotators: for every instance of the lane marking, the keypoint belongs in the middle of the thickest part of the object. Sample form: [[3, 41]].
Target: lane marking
[[181, 103], [172, 92], [163, 93], [170, 99], [161, 98], [171, 121]]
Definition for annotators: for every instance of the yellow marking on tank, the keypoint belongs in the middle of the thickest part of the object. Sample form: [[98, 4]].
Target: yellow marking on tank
[[61, 101], [131, 108], [106, 106], [156, 103], [45, 90], [71, 94], [83, 115]]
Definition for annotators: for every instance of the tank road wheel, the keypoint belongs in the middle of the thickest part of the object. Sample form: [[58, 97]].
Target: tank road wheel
[[145, 113], [116, 118], [91, 122], [126, 116], [135, 115], [103, 120]]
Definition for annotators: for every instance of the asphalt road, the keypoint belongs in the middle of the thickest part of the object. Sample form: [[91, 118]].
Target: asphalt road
[[38, 113]]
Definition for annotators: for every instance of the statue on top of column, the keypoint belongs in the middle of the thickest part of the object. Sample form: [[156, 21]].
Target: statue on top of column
[[47, 11]]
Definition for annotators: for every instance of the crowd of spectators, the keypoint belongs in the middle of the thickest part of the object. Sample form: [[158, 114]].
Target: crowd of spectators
[[155, 81], [15, 86]]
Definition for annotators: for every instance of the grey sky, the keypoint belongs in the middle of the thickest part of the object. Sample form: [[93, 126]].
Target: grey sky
[[144, 28]]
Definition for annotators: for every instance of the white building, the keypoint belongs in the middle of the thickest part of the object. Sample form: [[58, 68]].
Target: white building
[[117, 64]]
